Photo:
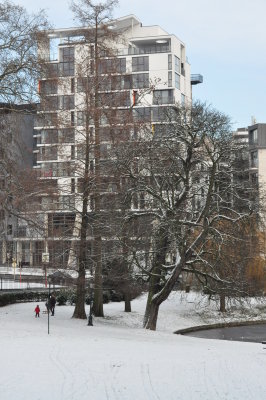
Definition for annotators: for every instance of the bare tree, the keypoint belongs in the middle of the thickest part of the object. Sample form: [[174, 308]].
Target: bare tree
[[20, 189], [235, 257], [96, 108], [181, 171], [19, 66]]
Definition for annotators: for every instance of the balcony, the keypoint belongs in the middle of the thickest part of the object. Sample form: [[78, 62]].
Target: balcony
[[195, 79]]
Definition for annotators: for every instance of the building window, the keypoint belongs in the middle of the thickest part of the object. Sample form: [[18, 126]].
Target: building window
[[91, 133], [140, 64], [72, 152], [254, 178], [62, 102], [72, 118], [66, 69], [9, 229], [183, 99], [160, 114], [170, 61], [117, 82], [82, 84], [254, 159], [66, 136], [142, 114], [177, 81], [72, 85], [80, 118], [140, 81], [253, 136], [67, 54], [163, 97], [48, 87], [72, 185], [67, 102], [109, 65], [49, 136], [177, 65], [170, 79]]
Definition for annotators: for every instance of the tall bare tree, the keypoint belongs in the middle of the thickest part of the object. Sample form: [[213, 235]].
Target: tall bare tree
[[182, 170], [97, 109]]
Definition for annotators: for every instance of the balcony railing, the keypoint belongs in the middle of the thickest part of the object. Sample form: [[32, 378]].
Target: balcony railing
[[196, 79]]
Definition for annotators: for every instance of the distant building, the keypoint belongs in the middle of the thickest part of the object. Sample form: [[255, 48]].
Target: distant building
[[257, 154], [16, 151]]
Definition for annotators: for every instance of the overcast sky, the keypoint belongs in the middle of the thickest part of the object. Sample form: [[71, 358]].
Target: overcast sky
[[225, 42]]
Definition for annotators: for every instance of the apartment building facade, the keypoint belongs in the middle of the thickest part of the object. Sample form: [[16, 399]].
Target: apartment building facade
[[16, 127], [147, 71], [257, 154]]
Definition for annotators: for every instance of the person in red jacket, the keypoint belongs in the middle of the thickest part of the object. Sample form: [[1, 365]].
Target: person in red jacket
[[37, 311]]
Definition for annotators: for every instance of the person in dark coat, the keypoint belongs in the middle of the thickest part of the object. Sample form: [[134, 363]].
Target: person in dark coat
[[37, 311], [52, 302]]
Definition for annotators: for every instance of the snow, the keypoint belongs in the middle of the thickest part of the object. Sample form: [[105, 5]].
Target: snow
[[118, 360], [9, 284]]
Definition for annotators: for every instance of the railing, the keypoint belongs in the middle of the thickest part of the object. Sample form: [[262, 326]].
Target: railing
[[196, 79], [153, 49]]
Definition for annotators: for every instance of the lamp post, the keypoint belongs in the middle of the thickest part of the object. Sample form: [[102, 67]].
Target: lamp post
[[8, 256], [48, 302], [90, 313]]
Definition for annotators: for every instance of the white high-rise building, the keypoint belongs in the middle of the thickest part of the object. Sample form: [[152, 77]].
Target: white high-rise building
[[149, 61]]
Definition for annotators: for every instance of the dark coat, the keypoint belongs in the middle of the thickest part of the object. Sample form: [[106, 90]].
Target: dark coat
[[52, 301]]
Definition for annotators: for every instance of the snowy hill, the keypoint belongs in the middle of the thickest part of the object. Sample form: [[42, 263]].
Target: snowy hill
[[117, 359]]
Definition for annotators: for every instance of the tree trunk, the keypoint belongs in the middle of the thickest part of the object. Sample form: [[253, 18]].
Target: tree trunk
[[222, 303], [98, 279], [79, 311], [127, 302], [153, 316], [154, 285], [153, 289], [161, 296]]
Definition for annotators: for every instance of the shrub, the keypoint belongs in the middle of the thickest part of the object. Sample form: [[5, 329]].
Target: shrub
[[61, 298], [21, 296]]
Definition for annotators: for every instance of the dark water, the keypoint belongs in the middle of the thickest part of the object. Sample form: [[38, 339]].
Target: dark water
[[250, 333]]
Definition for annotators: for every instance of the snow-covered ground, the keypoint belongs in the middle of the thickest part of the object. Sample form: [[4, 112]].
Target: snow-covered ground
[[9, 284], [117, 360]]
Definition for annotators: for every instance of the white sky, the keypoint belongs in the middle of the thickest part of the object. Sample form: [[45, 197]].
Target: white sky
[[225, 42]]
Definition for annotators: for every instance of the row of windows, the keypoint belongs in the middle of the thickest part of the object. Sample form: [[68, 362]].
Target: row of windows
[[112, 65], [163, 96], [65, 68], [59, 103], [116, 82], [106, 66], [61, 169], [54, 136]]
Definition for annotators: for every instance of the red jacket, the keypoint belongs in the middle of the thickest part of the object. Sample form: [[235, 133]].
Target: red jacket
[[37, 309]]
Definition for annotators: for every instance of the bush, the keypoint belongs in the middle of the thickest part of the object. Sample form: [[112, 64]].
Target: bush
[[73, 298], [21, 297], [61, 298], [116, 296]]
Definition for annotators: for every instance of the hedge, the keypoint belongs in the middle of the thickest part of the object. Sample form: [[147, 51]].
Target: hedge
[[21, 297]]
